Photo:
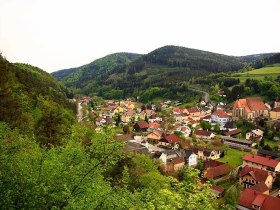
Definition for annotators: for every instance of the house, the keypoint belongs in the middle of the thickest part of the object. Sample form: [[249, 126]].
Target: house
[[154, 126], [127, 116], [171, 160], [178, 110], [267, 153], [190, 158], [233, 133], [275, 113], [128, 104], [181, 117], [170, 140], [220, 117], [204, 134], [276, 126], [253, 200], [141, 126], [195, 113], [249, 109], [147, 112], [218, 191], [217, 172], [185, 130], [207, 154], [154, 136], [100, 121], [250, 176], [155, 118], [175, 164], [136, 147], [229, 126], [264, 163], [254, 135]]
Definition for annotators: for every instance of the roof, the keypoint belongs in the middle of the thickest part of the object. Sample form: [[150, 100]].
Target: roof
[[135, 147], [154, 125], [265, 161], [221, 114], [257, 174], [142, 124], [249, 197], [212, 163], [225, 138], [217, 171], [258, 132], [250, 104], [261, 187], [193, 110], [177, 160], [172, 138], [230, 124], [233, 132], [202, 133], [188, 153], [272, 154], [179, 110], [218, 188], [185, 128], [276, 109]]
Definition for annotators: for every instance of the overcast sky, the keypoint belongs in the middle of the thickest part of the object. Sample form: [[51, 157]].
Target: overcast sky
[[58, 34]]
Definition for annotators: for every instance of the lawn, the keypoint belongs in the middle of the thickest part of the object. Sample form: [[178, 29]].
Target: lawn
[[233, 157], [259, 74]]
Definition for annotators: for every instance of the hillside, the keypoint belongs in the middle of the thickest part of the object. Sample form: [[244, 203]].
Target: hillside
[[167, 69], [31, 97]]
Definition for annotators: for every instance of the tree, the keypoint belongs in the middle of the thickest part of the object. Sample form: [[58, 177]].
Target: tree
[[146, 119], [126, 129], [118, 120], [205, 125]]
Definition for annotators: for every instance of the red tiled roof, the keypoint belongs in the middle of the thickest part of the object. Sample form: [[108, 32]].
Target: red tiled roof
[[212, 163], [261, 187], [256, 104], [265, 161], [154, 125], [142, 124], [218, 188], [172, 138], [214, 172], [202, 133], [257, 174], [99, 119], [221, 114], [178, 110], [177, 160], [193, 110], [250, 104], [249, 197]]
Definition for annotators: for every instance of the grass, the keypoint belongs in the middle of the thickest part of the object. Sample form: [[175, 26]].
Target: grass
[[271, 143], [271, 71], [233, 157], [225, 184]]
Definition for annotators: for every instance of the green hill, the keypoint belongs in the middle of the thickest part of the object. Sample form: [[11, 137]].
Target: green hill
[[34, 102], [163, 72]]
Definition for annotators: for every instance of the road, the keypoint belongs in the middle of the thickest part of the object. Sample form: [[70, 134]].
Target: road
[[206, 95]]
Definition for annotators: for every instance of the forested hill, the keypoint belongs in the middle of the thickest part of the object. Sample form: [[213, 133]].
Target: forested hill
[[33, 101], [166, 68]]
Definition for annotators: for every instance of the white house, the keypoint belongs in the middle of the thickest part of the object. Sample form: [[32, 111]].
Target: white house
[[185, 130], [256, 134], [190, 158], [220, 117]]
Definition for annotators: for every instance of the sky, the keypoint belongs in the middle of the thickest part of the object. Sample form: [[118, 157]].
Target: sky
[[59, 34]]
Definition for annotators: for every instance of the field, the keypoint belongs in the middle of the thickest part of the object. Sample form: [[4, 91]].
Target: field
[[259, 74], [233, 157]]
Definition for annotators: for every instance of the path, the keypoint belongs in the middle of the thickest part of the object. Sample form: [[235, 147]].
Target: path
[[206, 95]]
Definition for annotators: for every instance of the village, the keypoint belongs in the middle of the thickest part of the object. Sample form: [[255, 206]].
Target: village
[[230, 144]]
